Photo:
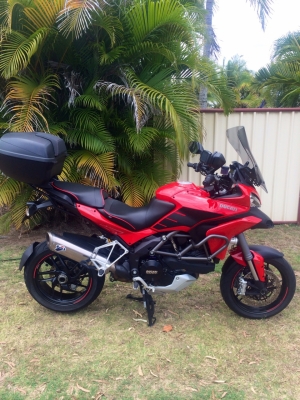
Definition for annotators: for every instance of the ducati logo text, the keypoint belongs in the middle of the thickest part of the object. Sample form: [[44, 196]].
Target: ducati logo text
[[228, 207]]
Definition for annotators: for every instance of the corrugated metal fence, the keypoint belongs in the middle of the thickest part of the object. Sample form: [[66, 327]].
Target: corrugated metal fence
[[274, 138]]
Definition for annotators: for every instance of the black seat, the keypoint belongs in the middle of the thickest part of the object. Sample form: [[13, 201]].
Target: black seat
[[135, 218], [88, 195]]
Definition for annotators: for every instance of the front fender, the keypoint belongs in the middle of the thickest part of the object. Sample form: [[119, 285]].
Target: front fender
[[266, 252], [27, 255]]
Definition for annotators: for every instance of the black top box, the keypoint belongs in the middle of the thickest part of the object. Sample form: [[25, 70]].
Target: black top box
[[31, 157]]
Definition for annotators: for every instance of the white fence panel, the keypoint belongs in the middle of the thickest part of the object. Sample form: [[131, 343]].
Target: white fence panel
[[274, 138]]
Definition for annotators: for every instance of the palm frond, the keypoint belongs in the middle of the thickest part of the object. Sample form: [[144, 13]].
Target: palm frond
[[153, 73], [132, 193], [18, 207], [107, 57], [70, 171], [90, 131], [7, 11], [146, 18], [282, 80], [98, 167], [141, 141], [147, 47], [129, 95], [139, 186], [17, 51], [263, 8], [43, 13], [9, 189], [15, 195], [4, 15], [166, 154], [216, 80], [4, 126], [91, 101], [27, 100], [287, 48], [59, 128], [16, 211], [77, 16], [111, 25], [5, 222]]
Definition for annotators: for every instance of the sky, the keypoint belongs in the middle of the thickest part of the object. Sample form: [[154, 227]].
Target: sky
[[239, 31]]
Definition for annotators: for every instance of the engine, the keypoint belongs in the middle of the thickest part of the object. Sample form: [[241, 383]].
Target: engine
[[153, 272], [161, 268]]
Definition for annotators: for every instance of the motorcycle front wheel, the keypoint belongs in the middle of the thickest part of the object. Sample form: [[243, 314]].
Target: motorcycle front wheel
[[279, 289], [59, 283]]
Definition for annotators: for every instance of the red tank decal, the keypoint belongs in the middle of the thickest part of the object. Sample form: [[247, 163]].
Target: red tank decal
[[179, 213], [173, 220]]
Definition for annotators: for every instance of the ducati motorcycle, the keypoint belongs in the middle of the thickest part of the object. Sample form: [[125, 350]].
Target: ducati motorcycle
[[162, 247]]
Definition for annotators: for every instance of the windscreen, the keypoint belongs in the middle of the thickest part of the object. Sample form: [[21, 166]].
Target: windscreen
[[238, 139]]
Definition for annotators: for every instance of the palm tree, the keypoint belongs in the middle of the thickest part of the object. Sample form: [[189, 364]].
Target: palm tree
[[118, 82], [263, 9], [281, 79], [240, 81]]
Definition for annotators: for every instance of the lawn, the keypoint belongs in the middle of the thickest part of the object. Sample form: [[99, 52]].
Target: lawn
[[107, 352]]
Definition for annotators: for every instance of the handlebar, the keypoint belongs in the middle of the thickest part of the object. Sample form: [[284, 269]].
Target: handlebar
[[213, 183], [198, 167]]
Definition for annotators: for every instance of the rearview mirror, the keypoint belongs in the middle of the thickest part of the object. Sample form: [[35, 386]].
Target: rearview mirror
[[196, 147]]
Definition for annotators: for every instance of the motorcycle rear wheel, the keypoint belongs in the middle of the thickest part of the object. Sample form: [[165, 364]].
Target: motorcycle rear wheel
[[280, 289], [59, 283]]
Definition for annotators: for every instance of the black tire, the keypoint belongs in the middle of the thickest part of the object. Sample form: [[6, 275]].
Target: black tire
[[59, 283], [280, 289]]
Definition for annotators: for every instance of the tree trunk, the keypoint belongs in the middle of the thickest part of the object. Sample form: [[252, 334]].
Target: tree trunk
[[209, 38], [207, 50]]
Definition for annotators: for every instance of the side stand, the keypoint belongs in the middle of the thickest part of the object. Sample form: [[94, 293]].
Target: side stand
[[149, 305]]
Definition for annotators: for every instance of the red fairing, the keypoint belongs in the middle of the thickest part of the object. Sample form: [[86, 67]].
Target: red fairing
[[168, 191], [229, 229], [257, 260], [186, 193]]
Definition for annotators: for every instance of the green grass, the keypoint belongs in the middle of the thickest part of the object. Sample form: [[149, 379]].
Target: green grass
[[103, 353]]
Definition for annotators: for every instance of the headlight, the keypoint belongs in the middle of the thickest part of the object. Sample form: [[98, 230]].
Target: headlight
[[254, 201]]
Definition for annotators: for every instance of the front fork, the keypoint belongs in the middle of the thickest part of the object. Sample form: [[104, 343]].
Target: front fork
[[244, 256]]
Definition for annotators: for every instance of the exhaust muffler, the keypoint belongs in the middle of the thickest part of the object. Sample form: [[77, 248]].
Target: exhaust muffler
[[69, 249]]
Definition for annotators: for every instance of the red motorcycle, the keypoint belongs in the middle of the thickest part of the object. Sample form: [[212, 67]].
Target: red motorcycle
[[162, 247]]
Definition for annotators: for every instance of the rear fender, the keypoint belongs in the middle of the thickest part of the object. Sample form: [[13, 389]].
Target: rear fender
[[260, 255], [27, 255]]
